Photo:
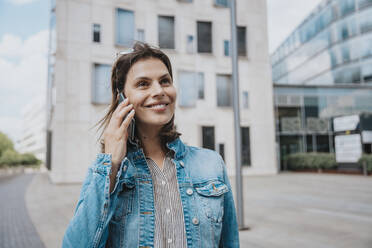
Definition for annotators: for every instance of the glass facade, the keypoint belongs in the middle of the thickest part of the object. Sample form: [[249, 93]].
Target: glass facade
[[304, 115], [322, 70], [332, 46]]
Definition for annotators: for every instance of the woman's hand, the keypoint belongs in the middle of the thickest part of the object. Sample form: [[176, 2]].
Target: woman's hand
[[116, 134]]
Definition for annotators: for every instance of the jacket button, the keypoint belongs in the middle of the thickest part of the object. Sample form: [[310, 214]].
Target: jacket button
[[182, 164], [124, 168], [189, 191], [195, 221]]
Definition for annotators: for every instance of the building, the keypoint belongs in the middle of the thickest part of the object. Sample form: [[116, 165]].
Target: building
[[321, 71], [85, 36], [32, 136]]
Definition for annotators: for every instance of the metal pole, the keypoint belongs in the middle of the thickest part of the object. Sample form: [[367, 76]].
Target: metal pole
[[235, 79]]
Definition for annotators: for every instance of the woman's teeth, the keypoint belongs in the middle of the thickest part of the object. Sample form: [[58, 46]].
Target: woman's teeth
[[158, 106]]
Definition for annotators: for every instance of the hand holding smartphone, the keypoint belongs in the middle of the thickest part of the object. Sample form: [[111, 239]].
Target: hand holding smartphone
[[132, 123], [119, 129]]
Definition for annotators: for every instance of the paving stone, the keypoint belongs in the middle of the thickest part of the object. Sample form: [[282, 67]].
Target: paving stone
[[16, 228]]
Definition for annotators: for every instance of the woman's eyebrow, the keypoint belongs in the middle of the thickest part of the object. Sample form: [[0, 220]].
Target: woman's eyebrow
[[147, 78]]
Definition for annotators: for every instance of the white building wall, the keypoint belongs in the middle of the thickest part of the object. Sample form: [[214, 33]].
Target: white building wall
[[32, 137], [74, 142]]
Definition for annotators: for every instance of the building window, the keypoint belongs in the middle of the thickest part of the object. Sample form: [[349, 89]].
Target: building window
[[226, 47], [200, 80], [221, 3], [96, 33], [346, 7], [141, 35], [246, 148], [208, 137], [204, 30], [190, 44], [242, 42], [364, 3], [124, 27], [191, 88], [221, 150], [224, 91], [101, 89], [245, 100], [166, 32]]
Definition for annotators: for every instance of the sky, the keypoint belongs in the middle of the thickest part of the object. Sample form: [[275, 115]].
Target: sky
[[24, 45]]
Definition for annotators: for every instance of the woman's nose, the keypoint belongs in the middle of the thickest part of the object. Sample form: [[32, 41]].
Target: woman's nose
[[157, 89]]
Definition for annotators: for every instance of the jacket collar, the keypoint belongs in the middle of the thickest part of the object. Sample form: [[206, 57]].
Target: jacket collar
[[177, 146]]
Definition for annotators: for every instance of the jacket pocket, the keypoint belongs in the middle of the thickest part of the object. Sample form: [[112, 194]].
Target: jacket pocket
[[211, 195], [124, 204]]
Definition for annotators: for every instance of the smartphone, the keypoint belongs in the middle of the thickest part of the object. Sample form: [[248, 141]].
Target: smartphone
[[132, 123]]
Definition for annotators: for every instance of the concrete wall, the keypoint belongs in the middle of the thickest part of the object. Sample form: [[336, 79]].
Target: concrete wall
[[74, 143]]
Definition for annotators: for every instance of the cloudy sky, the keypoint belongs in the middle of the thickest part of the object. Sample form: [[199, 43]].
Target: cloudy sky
[[24, 40]]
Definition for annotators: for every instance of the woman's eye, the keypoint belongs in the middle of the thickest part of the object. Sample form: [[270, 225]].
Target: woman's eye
[[165, 81], [142, 83]]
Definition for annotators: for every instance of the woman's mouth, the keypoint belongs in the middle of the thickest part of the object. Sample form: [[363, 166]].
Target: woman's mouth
[[158, 107]]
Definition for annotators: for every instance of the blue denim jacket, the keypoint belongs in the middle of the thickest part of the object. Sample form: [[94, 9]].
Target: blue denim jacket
[[125, 217]]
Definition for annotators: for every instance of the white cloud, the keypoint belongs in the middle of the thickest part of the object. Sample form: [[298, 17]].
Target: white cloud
[[21, 2], [23, 70], [284, 16]]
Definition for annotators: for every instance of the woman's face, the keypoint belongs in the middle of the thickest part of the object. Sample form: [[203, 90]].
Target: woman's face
[[148, 83]]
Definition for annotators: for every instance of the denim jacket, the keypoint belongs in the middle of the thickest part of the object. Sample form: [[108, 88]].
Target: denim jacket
[[125, 217]]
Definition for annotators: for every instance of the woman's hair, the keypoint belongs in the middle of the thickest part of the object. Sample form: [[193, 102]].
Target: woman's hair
[[119, 74]]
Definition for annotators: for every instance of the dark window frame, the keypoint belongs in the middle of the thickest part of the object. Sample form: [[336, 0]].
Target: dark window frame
[[163, 33], [204, 37]]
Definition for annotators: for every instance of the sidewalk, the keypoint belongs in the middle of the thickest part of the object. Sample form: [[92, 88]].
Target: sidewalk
[[284, 211]]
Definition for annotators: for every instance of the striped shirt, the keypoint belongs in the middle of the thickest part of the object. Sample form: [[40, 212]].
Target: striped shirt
[[169, 220]]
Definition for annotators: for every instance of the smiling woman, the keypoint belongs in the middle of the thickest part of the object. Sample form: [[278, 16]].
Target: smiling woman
[[152, 190]]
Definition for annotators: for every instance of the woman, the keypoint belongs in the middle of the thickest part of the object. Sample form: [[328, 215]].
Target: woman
[[151, 190]]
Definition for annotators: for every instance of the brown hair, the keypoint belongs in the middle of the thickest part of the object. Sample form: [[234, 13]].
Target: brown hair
[[119, 73]]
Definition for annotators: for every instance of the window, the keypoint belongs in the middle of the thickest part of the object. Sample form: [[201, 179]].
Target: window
[[204, 30], [124, 27], [166, 32], [208, 137], [367, 73], [365, 21], [226, 47], [200, 80], [345, 51], [245, 100], [221, 150], [190, 44], [101, 90], [346, 7], [191, 88], [96, 33], [141, 35], [246, 147], [224, 91], [221, 3], [364, 3], [242, 48]]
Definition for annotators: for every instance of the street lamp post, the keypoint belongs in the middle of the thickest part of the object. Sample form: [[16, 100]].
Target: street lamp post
[[236, 107]]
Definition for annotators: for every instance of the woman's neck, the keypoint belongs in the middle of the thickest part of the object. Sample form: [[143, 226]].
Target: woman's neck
[[151, 143]]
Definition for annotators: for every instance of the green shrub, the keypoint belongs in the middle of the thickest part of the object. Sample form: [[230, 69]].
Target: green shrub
[[308, 161], [367, 158], [10, 157], [29, 159], [5, 143]]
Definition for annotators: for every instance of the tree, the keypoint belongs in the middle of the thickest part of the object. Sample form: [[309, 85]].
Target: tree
[[5, 143]]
